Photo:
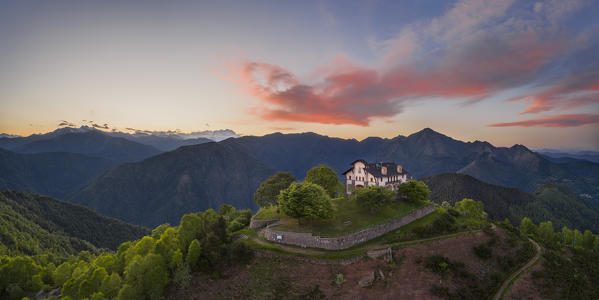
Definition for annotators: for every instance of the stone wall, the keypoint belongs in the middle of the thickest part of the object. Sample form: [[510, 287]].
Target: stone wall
[[347, 241], [254, 224]]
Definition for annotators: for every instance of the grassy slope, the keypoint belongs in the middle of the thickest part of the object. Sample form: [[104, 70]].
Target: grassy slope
[[346, 210]]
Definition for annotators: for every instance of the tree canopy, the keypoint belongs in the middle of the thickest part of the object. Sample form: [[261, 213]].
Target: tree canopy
[[139, 269], [325, 177], [269, 190], [373, 197], [414, 191], [306, 200], [471, 208]]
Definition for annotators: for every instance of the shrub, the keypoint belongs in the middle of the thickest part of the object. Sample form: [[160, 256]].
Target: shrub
[[441, 291], [483, 251], [241, 253]]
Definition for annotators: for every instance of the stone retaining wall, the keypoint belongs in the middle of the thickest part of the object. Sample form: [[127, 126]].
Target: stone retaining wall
[[347, 241], [254, 224]]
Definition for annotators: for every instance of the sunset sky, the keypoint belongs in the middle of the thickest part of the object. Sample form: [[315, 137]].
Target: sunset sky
[[505, 71]]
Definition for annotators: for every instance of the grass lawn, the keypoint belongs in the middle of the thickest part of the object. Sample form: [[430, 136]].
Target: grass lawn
[[345, 210], [269, 213]]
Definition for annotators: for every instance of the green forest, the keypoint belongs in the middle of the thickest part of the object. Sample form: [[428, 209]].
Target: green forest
[[139, 269]]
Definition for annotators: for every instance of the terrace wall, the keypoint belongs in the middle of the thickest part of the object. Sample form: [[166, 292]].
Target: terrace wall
[[347, 241], [254, 224]]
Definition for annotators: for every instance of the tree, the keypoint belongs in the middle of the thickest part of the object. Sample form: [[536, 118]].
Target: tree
[[325, 177], [577, 238], [527, 227], [147, 275], [567, 236], [194, 254], [189, 229], [21, 271], [470, 208], [445, 205], [588, 240], [546, 233], [373, 197], [267, 193], [414, 191], [305, 200], [111, 285]]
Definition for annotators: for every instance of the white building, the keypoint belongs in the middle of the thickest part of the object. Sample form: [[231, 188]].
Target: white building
[[363, 174]]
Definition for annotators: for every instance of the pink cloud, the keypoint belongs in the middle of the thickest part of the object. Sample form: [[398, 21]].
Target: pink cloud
[[573, 92], [478, 55], [562, 121]]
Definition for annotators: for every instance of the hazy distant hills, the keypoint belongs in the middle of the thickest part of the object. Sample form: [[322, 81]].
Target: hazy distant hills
[[32, 224], [163, 188], [92, 143], [549, 203], [56, 174], [561, 156]]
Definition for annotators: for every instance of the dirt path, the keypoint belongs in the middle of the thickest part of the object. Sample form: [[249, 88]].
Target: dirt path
[[499, 294]]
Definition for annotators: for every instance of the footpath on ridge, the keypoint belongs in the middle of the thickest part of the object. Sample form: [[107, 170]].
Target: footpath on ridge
[[506, 284]]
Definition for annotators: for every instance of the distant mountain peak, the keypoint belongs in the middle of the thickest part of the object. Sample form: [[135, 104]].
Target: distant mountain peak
[[427, 132], [520, 147]]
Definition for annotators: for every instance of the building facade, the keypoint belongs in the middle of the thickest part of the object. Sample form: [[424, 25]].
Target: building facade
[[363, 174]]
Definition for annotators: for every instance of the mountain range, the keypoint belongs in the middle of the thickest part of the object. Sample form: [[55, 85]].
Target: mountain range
[[162, 187], [160, 140]]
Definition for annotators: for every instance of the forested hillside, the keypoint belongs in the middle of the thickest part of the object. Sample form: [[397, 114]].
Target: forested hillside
[[549, 203], [35, 224], [54, 174], [162, 188]]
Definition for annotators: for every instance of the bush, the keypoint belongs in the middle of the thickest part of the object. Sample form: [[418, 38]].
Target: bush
[[441, 291], [438, 264], [483, 251], [241, 253]]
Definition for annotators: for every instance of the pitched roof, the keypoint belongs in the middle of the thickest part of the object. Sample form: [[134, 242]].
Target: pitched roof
[[375, 168]]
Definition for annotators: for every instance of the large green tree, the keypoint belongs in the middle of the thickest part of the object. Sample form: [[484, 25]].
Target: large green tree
[[373, 197], [325, 177], [527, 227], [414, 191], [306, 200], [269, 190], [470, 208]]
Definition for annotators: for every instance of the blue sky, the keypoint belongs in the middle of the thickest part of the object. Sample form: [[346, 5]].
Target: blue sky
[[503, 71]]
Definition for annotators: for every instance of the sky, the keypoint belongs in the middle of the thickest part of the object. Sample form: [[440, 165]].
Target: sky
[[504, 71]]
